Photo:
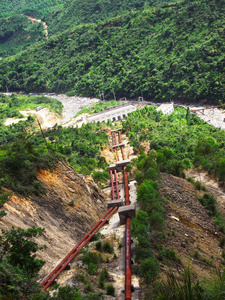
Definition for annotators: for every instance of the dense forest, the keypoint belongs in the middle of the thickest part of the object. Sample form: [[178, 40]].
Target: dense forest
[[181, 140], [175, 52], [18, 32], [35, 8], [77, 12]]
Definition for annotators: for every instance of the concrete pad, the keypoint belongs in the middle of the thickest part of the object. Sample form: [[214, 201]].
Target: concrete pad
[[128, 211], [119, 145], [114, 203]]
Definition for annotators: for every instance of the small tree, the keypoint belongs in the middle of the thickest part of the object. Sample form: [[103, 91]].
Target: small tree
[[17, 249], [3, 199]]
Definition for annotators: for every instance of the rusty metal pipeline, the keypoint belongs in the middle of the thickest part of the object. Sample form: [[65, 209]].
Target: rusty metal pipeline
[[128, 261], [112, 185], [122, 149], [117, 185], [70, 256]]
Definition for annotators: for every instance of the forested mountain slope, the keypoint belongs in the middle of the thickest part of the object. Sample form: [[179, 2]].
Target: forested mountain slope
[[15, 30], [175, 52], [91, 11], [35, 8], [18, 32]]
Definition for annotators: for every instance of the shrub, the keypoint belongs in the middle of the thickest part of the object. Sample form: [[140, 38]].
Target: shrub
[[98, 246], [107, 247], [220, 222], [88, 287], [222, 242], [17, 247], [94, 296], [196, 255], [101, 176], [186, 288], [97, 236], [209, 202], [148, 269], [110, 290]]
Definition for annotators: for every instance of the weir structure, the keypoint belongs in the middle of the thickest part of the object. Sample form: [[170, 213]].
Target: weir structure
[[125, 213]]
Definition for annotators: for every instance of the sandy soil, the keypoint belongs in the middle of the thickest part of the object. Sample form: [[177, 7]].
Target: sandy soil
[[71, 105], [46, 118], [214, 116]]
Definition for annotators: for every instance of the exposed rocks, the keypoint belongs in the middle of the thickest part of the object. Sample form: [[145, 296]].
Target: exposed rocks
[[67, 210], [195, 232]]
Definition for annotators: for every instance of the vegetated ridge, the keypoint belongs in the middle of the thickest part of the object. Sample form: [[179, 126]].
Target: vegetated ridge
[[59, 15], [161, 53], [17, 32]]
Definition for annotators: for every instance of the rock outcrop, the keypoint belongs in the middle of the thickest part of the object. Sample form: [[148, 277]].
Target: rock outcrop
[[67, 210]]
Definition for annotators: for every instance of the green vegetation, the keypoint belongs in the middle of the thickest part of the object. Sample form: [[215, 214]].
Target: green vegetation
[[17, 32], [17, 249], [209, 202], [3, 199], [24, 150], [106, 247], [103, 276], [63, 293], [179, 142], [92, 260], [36, 9], [149, 217], [19, 162], [110, 290], [77, 12], [100, 106], [18, 263], [11, 105], [186, 288], [166, 253], [140, 52]]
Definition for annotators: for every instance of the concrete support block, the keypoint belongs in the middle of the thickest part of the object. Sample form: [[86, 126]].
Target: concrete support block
[[119, 145], [112, 167], [123, 163], [114, 203], [128, 211]]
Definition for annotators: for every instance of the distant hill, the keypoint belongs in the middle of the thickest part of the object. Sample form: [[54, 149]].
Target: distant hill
[[18, 32], [35, 8], [170, 52], [76, 12]]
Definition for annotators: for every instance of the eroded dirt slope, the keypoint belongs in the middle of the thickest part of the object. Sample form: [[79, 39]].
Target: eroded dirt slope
[[67, 210], [189, 230]]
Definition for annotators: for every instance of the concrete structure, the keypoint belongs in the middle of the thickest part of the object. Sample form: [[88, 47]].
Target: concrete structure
[[119, 165], [126, 211], [119, 145], [114, 203], [113, 114], [166, 109]]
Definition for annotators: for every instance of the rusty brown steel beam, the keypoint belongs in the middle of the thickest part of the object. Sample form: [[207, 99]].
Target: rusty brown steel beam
[[112, 185], [61, 266], [122, 149], [117, 185]]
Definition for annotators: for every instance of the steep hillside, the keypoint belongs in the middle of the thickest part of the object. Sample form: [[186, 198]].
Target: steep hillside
[[17, 32], [59, 15], [176, 52], [77, 12], [67, 209], [35, 8]]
